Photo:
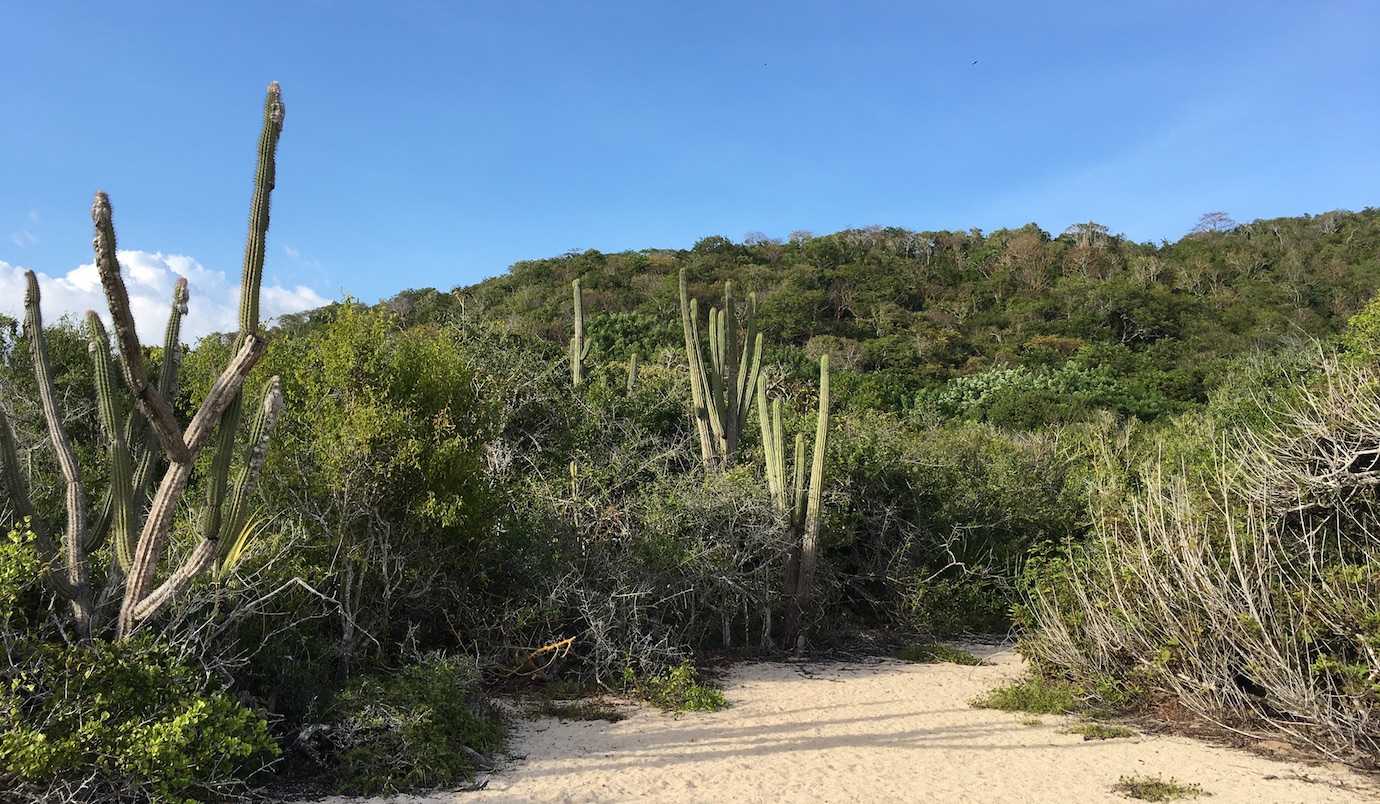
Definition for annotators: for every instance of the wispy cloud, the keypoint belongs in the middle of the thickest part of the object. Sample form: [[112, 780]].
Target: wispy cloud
[[25, 236], [150, 277]]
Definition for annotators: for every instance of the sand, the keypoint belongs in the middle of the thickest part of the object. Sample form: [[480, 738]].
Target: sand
[[873, 732]]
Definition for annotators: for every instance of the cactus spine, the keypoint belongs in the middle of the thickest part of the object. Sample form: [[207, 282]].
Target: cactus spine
[[721, 393], [139, 556], [579, 347], [801, 512]]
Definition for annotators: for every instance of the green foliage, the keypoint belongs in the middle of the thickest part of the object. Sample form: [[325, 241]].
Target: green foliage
[[678, 689], [1034, 694], [1361, 339], [1156, 788], [957, 605], [902, 310], [422, 726], [130, 717], [937, 653], [21, 571]]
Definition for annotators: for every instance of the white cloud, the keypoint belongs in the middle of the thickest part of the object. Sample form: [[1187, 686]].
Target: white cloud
[[212, 307]]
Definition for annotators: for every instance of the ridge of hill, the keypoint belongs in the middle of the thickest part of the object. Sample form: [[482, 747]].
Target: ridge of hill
[[949, 318]]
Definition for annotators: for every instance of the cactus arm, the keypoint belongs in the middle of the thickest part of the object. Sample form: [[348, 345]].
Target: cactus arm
[[265, 176], [151, 403], [729, 355], [74, 585], [810, 544], [692, 353], [753, 374], [578, 347], [225, 389], [218, 478], [798, 490], [708, 411], [121, 495], [632, 372], [260, 430], [172, 342], [769, 453], [168, 385], [13, 475], [750, 363], [716, 385]]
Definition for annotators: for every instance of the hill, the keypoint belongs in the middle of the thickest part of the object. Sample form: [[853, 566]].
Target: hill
[[959, 321]]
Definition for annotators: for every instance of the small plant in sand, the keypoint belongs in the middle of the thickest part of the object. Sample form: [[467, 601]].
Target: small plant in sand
[[1154, 788], [1099, 731], [1032, 694], [937, 653], [676, 690], [578, 710]]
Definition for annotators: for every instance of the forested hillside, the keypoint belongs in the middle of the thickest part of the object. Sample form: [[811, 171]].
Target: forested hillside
[[1083, 320]]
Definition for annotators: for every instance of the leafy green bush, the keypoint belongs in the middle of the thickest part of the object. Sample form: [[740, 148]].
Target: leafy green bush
[[676, 690], [20, 571], [123, 721], [1034, 694], [423, 726]]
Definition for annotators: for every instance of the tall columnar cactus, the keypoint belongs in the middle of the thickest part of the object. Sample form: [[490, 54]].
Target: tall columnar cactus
[[801, 512], [71, 582], [139, 547], [579, 347], [721, 392]]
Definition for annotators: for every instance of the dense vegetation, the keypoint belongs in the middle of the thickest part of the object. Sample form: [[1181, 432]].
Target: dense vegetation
[[1127, 451]]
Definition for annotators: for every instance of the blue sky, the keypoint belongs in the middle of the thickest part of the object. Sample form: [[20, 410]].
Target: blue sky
[[433, 144]]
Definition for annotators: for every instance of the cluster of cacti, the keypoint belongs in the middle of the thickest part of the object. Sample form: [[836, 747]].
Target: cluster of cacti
[[134, 443], [801, 511], [579, 347], [722, 392]]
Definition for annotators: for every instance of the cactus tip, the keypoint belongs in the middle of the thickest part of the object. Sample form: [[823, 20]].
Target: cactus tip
[[100, 208]]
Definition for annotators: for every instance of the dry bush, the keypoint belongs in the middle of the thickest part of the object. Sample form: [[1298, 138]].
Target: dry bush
[[1254, 603]]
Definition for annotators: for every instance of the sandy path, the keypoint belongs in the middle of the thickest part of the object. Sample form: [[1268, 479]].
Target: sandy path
[[885, 731]]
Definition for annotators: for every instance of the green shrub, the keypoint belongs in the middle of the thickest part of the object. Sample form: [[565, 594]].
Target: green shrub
[[676, 690], [948, 607], [123, 721], [1154, 788], [1034, 694], [937, 653], [423, 726], [20, 570]]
